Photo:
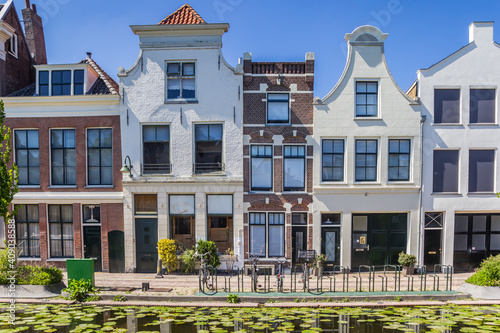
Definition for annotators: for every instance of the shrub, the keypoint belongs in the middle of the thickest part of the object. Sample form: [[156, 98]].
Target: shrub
[[488, 274], [407, 259], [28, 274], [82, 290], [203, 247], [188, 260], [167, 251], [233, 298]]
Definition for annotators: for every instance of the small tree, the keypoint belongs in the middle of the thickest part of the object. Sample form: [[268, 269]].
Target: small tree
[[8, 174]]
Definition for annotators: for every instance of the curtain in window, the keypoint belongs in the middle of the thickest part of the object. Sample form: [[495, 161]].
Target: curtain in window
[[262, 172], [220, 204], [182, 204], [276, 234], [67, 230], [294, 173], [258, 233], [34, 237], [145, 204]]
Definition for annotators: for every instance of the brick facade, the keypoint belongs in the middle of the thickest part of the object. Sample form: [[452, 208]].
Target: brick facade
[[111, 214], [297, 78], [16, 72]]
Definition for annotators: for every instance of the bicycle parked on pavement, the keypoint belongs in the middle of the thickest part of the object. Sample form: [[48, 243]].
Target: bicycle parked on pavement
[[254, 260], [205, 277], [306, 256], [280, 275]]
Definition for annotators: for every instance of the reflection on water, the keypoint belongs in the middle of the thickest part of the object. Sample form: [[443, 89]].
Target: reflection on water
[[77, 318]]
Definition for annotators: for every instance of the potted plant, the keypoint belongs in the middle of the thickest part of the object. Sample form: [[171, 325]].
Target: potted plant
[[407, 260], [318, 264]]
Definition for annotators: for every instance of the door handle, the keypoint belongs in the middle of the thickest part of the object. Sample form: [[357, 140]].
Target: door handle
[[367, 247]]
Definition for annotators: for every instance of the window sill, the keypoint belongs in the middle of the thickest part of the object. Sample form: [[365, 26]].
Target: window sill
[[448, 125], [181, 101], [302, 192], [400, 182], [333, 182], [479, 194], [366, 182], [99, 186], [278, 124], [60, 259], [367, 118], [210, 174], [29, 186], [260, 191], [28, 259], [62, 186], [449, 194], [483, 125], [154, 175]]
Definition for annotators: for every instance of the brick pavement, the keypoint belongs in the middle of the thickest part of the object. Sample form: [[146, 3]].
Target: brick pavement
[[188, 284]]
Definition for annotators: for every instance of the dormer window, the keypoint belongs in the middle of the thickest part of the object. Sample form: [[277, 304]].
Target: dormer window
[[180, 80], [61, 82]]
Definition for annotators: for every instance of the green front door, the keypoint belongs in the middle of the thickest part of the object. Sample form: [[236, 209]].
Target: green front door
[[378, 239], [146, 239], [92, 245]]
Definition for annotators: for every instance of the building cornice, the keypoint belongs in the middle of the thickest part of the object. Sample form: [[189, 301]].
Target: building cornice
[[215, 29], [42, 101]]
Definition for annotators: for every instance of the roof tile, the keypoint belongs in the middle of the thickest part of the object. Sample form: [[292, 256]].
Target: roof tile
[[184, 15]]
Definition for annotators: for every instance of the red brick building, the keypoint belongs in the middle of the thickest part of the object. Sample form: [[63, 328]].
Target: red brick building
[[277, 157], [18, 53], [67, 145]]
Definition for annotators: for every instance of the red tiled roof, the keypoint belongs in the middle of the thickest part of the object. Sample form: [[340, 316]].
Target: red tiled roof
[[184, 15]]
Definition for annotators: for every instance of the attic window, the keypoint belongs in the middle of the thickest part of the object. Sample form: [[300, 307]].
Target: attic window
[[366, 38], [61, 82], [13, 45]]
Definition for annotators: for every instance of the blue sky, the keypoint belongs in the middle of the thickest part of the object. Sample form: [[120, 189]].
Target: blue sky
[[420, 32]]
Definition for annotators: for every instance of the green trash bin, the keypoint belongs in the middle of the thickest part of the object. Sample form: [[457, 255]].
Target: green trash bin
[[80, 269]]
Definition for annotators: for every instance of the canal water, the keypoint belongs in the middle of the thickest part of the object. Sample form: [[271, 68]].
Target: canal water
[[81, 318]]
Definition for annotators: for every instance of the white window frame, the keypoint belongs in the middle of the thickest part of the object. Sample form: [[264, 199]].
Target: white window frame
[[289, 108], [266, 226], [181, 77], [52, 69], [411, 156], [14, 45], [304, 158], [378, 167], [367, 117], [344, 154], [257, 189]]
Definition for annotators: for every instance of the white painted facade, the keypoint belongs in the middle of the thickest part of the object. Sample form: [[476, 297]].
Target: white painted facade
[[473, 66], [398, 117], [219, 98]]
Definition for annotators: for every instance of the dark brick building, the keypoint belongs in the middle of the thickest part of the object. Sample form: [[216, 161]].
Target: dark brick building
[[278, 152], [18, 53]]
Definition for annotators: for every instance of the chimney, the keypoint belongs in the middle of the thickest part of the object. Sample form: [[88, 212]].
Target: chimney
[[481, 32], [34, 33]]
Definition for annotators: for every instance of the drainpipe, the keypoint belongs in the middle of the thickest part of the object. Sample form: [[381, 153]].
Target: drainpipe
[[420, 208]]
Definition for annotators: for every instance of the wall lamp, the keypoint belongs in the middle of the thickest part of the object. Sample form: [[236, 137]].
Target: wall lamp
[[127, 168]]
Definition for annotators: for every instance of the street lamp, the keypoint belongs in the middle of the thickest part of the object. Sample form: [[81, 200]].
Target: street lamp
[[127, 168]]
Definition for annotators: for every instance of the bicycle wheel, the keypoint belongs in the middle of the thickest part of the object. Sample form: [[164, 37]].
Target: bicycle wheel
[[208, 278]]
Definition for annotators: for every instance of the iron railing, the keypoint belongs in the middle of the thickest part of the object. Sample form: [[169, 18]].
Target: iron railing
[[340, 279], [204, 168], [156, 169]]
